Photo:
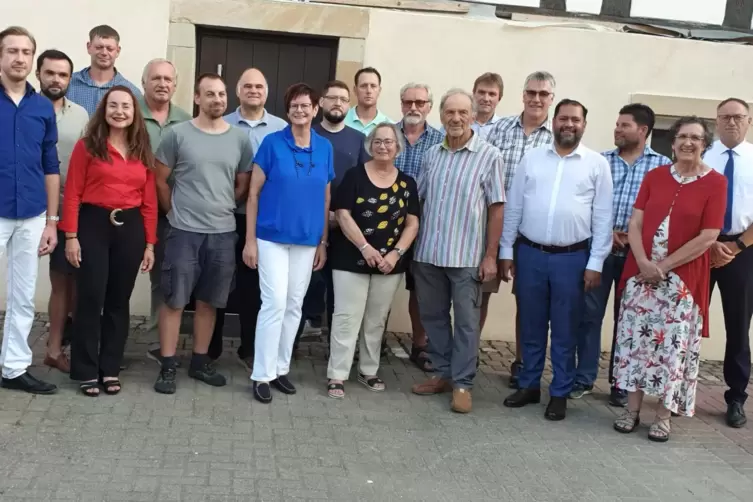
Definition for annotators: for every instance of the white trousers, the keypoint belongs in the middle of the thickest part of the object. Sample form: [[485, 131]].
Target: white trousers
[[19, 240], [362, 303], [284, 275]]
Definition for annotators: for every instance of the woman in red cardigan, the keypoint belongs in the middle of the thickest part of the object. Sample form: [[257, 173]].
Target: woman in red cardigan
[[664, 289], [110, 225]]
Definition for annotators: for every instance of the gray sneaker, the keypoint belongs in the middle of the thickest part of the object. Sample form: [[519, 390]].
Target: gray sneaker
[[156, 355], [580, 390]]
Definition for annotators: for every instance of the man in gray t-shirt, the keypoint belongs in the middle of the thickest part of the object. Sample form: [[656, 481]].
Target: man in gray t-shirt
[[209, 164]]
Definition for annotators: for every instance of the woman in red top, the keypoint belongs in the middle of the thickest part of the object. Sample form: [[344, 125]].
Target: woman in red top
[[110, 225], [664, 290]]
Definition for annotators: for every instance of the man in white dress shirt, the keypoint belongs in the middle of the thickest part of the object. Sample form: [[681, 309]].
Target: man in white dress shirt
[[731, 256], [560, 210]]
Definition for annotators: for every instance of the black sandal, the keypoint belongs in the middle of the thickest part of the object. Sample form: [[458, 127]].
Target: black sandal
[[88, 388], [420, 358], [112, 387], [333, 387], [374, 384]]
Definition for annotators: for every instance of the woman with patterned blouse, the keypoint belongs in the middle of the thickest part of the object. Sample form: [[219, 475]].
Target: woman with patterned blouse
[[664, 290], [377, 209]]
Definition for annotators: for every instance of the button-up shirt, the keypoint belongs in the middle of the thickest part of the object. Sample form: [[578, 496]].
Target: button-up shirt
[[742, 182], [257, 131], [87, 93], [352, 120], [560, 201], [627, 181], [509, 135], [154, 129], [71, 121], [409, 161], [28, 135], [457, 187]]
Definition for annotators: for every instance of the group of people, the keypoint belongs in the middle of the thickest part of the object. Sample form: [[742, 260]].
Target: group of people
[[244, 207]]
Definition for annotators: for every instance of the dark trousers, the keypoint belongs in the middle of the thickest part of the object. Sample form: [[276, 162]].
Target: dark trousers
[[110, 260], [589, 333], [244, 299], [550, 292], [735, 283]]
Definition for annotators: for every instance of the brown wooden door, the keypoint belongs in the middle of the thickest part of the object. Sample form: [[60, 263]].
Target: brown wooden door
[[284, 60]]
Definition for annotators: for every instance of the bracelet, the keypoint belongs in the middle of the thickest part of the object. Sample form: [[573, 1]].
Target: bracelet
[[363, 247], [71, 237], [149, 249]]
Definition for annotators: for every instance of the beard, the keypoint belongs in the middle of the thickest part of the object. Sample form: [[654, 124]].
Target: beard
[[625, 143], [332, 118], [414, 119], [572, 139], [53, 94]]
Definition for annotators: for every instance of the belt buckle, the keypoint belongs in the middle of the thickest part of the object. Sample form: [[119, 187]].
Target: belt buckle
[[113, 217]]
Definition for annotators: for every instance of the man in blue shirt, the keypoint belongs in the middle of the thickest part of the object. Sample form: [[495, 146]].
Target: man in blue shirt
[[89, 85], [29, 197]]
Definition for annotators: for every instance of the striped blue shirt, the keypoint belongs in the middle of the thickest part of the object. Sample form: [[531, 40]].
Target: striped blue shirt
[[456, 188], [409, 161], [85, 92]]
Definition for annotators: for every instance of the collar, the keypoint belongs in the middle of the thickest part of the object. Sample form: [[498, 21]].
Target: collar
[[579, 151], [472, 145], [287, 135], [29, 91], [647, 152], [378, 118], [495, 118], [426, 130], [546, 125], [740, 149], [237, 118], [85, 77], [173, 112]]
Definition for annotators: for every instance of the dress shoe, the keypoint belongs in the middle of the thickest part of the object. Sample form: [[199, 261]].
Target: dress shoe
[[28, 383], [556, 409], [461, 401], [736, 415], [433, 385], [282, 384], [523, 397], [262, 392]]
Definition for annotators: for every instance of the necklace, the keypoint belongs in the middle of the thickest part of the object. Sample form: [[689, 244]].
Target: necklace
[[299, 165]]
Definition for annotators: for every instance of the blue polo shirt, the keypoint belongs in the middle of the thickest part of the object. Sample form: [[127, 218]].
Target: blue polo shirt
[[85, 92], [28, 152], [291, 202]]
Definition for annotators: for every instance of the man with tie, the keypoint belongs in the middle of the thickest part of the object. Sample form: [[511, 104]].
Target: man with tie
[[731, 258]]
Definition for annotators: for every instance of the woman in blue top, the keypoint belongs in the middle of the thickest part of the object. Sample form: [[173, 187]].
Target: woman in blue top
[[287, 212]]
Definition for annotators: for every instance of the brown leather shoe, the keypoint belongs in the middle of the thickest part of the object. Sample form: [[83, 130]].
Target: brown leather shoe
[[434, 385], [60, 363], [461, 401]]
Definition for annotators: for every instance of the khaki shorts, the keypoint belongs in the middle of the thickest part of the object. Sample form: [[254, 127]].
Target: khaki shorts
[[491, 286]]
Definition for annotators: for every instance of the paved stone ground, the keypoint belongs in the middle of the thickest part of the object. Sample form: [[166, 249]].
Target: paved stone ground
[[207, 444]]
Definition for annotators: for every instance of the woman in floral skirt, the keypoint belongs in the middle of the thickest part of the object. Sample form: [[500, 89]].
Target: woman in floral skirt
[[664, 290]]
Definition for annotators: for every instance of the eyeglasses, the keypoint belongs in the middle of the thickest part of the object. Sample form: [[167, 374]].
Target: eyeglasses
[[303, 106], [541, 94], [695, 138], [335, 99], [739, 119], [386, 142], [420, 103]]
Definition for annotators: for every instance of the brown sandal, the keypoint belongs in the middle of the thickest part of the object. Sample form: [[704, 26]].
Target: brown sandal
[[627, 422], [660, 429]]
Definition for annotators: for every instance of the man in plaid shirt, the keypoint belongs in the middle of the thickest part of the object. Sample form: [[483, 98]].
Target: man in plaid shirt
[[629, 163], [514, 136]]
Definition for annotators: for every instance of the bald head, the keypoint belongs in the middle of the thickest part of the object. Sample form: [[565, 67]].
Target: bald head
[[252, 89]]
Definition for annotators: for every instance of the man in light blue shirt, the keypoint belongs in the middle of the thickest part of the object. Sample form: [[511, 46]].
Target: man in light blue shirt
[[252, 90], [365, 116]]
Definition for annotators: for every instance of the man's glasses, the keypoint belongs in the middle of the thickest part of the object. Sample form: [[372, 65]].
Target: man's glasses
[[739, 119], [541, 94], [420, 103], [335, 99]]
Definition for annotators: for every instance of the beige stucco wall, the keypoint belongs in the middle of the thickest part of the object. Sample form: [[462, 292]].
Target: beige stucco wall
[[675, 76]]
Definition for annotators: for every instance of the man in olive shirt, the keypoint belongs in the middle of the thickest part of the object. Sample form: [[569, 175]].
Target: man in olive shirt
[[159, 80]]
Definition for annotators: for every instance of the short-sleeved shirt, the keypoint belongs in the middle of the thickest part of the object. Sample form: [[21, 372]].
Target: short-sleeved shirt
[[257, 131], [380, 213], [87, 93], [291, 202], [71, 120], [352, 120], [349, 149], [155, 130], [204, 167]]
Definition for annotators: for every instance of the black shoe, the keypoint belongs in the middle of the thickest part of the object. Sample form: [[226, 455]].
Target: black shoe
[[736, 415], [523, 397], [282, 384], [165, 383], [262, 392], [617, 398], [156, 355], [515, 368], [556, 409], [28, 383], [207, 374]]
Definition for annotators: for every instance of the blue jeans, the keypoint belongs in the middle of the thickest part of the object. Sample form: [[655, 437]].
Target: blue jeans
[[550, 291], [589, 332]]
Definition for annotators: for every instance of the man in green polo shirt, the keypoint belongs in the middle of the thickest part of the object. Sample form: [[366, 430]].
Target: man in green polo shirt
[[365, 116], [159, 80]]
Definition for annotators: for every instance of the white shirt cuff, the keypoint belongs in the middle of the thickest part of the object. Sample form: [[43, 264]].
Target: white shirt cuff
[[505, 254], [595, 264]]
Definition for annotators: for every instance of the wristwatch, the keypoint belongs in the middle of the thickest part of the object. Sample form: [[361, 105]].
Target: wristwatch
[[53, 218], [400, 252], [740, 244]]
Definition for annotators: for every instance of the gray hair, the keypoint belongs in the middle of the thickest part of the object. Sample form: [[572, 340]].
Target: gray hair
[[541, 76], [395, 130], [415, 85], [145, 74], [454, 92]]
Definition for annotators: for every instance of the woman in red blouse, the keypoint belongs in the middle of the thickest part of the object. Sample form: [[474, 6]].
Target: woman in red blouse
[[664, 290], [110, 225]]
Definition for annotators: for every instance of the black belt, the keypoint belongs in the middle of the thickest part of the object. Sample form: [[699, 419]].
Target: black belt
[[728, 238], [578, 246]]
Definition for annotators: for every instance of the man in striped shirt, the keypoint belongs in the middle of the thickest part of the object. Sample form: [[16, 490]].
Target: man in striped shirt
[[461, 186], [514, 136]]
